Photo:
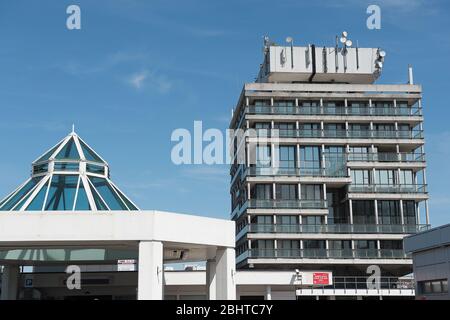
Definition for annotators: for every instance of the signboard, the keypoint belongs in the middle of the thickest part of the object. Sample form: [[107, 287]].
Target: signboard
[[126, 265], [321, 278]]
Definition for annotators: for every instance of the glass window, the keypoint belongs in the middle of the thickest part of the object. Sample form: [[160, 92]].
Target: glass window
[[262, 125], [406, 177], [384, 177], [263, 191], [363, 212], [130, 205], [311, 191], [263, 156], [287, 219], [287, 157], [12, 201], [314, 244], [286, 191], [310, 157], [89, 154], [366, 244], [289, 244], [37, 204], [360, 177], [313, 220], [389, 212], [108, 193], [82, 202], [263, 219], [409, 212], [61, 193], [49, 153], [69, 151]]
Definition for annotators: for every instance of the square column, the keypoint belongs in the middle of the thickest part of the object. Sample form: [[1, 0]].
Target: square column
[[150, 272], [10, 282], [225, 274], [211, 287]]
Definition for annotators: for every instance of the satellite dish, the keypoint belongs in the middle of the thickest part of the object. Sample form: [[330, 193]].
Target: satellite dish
[[344, 34], [289, 39], [382, 53], [348, 43], [343, 39], [379, 64]]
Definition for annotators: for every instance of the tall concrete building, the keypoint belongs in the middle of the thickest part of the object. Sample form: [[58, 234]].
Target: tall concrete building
[[332, 175]]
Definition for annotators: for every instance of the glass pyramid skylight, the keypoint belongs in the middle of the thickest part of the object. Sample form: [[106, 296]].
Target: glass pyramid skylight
[[71, 176]]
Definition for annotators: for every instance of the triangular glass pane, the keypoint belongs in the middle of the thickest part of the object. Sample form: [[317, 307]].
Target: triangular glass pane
[[38, 202], [8, 205], [47, 155], [82, 199], [125, 199], [61, 194], [108, 194], [89, 154], [69, 151]]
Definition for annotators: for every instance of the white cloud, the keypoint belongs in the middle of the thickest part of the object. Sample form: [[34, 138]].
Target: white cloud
[[150, 80], [137, 79]]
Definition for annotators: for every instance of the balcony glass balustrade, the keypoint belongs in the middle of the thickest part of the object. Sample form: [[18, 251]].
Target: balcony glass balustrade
[[387, 157], [340, 111], [309, 172], [287, 204], [327, 254], [337, 228], [387, 188], [351, 134]]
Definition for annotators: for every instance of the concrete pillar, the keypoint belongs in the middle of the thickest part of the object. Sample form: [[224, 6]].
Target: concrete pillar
[[10, 282], [268, 293], [225, 274], [150, 272], [211, 287]]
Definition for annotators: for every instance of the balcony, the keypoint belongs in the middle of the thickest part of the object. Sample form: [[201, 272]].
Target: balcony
[[287, 204], [334, 111], [302, 172], [328, 254], [387, 188], [343, 134], [337, 228], [387, 157]]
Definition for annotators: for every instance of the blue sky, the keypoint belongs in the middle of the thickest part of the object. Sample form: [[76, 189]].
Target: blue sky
[[137, 70]]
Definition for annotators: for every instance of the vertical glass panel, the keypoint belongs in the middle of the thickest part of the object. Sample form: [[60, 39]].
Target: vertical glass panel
[[38, 202], [108, 194], [69, 151], [82, 199], [61, 194], [8, 205], [89, 154]]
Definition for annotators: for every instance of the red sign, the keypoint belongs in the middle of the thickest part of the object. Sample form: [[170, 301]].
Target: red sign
[[320, 278]]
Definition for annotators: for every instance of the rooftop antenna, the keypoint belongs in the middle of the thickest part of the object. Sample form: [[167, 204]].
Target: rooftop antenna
[[347, 43], [73, 128], [291, 41]]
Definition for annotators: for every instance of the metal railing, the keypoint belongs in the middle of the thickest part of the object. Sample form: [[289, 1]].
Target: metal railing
[[328, 253], [287, 204], [332, 133], [353, 283], [338, 110], [337, 228], [315, 172], [386, 156], [387, 188]]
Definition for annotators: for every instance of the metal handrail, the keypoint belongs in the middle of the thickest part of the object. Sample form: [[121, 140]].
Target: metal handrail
[[328, 253], [288, 204], [387, 188], [337, 228], [337, 110], [331, 133]]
